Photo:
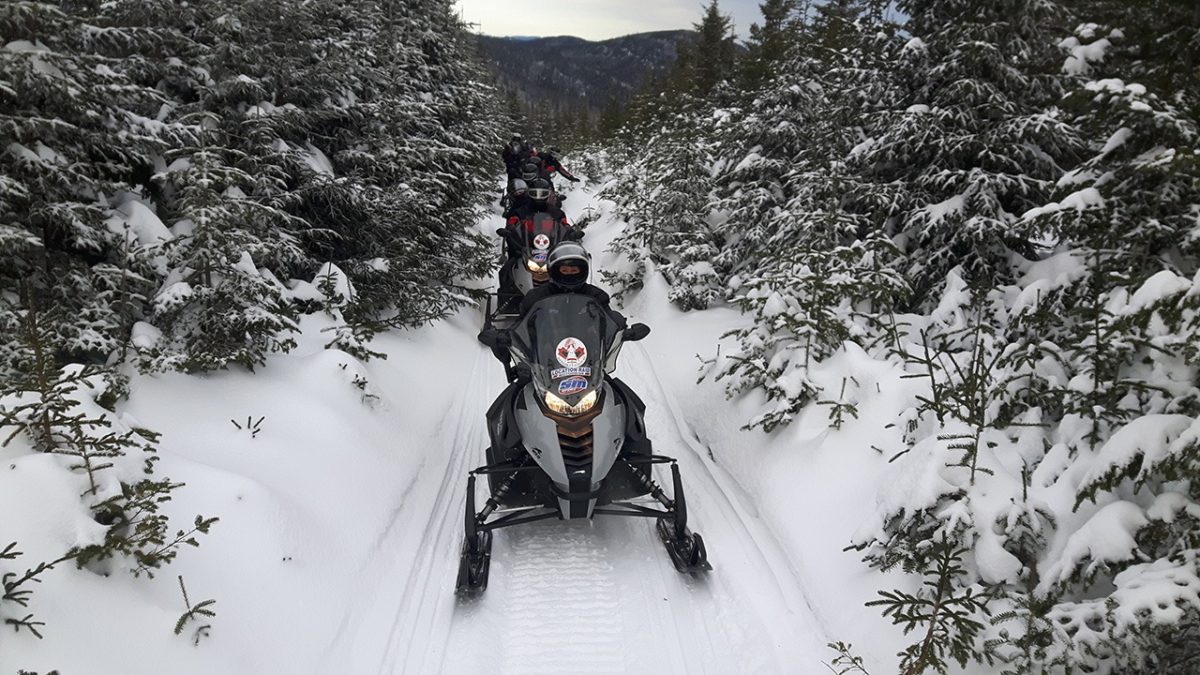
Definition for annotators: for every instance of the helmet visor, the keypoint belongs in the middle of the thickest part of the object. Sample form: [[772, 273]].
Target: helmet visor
[[539, 194], [571, 272]]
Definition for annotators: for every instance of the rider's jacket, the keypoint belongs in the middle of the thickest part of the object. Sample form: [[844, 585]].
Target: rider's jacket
[[552, 164], [523, 215], [546, 290]]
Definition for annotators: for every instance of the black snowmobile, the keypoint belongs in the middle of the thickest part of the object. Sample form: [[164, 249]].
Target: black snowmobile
[[524, 266], [568, 440]]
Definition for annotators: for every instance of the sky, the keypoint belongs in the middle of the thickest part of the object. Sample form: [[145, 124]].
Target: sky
[[596, 19]]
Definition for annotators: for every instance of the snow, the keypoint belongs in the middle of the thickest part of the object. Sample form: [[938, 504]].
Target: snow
[[145, 336], [140, 220], [1158, 287], [1083, 55], [1044, 276], [936, 212], [1118, 139], [957, 296], [1080, 200], [1107, 537], [340, 288], [317, 160], [1148, 437]]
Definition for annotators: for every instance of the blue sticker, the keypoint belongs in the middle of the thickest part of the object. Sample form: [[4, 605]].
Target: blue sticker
[[539, 257], [572, 385]]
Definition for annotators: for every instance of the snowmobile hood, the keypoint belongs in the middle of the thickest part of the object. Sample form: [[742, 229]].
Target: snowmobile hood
[[565, 339]]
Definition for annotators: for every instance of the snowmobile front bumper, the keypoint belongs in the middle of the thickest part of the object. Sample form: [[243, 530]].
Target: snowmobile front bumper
[[685, 548]]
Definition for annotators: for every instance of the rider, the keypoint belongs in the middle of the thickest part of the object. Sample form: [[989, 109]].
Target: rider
[[551, 162], [521, 220], [569, 268], [516, 198], [514, 154], [538, 194]]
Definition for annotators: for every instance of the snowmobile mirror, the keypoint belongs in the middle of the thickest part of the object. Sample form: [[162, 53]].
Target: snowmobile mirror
[[574, 235], [636, 332]]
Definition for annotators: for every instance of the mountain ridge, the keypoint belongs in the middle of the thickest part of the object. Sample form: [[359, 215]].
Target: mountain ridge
[[567, 82]]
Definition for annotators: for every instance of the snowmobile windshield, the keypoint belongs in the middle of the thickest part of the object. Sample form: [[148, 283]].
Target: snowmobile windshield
[[564, 339], [542, 235]]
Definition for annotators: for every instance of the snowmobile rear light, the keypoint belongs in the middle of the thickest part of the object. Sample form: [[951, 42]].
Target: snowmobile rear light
[[561, 407], [532, 266]]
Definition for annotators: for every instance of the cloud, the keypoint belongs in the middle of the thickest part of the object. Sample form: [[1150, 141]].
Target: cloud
[[595, 19]]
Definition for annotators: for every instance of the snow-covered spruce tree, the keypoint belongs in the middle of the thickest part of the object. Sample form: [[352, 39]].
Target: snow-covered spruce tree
[[426, 156], [805, 304], [1127, 219], [770, 41], [67, 410], [665, 195], [666, 199], [979, 142], [1091, 439], [216, 307], [81, 133]]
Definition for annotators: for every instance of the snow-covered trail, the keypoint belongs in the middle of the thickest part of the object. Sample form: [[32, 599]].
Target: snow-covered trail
[[603, 597], [580, 597], [341, 518]]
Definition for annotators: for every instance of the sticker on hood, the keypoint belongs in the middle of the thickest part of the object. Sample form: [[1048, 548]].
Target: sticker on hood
[[541, 242], [571, 352], [559, 373], [572, 385]]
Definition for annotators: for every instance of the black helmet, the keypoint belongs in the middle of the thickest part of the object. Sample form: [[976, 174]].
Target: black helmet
[[539, 190], [530, 171], [516, 138], [569, 265]]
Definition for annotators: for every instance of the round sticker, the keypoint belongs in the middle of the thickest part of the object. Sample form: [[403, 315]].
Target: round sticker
[[541, 242], [572, 385], [571, 352]]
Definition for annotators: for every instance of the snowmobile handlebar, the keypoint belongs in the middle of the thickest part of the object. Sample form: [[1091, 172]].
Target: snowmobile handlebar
[[636, 332]]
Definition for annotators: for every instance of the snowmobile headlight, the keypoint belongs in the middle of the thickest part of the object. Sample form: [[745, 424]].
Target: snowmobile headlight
[[532, 266], [557, 405]]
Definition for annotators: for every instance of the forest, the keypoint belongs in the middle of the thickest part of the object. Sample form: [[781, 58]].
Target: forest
[[998, 199]]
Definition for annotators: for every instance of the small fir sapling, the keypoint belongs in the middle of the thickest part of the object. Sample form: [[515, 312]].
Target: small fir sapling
[[846, 662], [196, 613], [944, 614], [16, 592]]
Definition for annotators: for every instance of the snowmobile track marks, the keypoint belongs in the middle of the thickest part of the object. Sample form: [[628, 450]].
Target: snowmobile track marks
[[421, 623], [565, 616]]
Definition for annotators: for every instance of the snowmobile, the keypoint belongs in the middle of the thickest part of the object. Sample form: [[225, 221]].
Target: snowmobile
[[568, 440], [526, 254]]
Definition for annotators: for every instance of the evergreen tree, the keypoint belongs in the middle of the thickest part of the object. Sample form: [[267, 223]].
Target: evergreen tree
[[769, 43], [711, 60], [979, 142]]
